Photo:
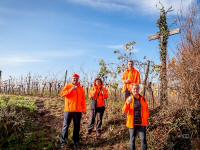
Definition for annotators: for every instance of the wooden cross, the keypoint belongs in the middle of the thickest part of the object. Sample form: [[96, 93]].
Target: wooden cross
[[157, 36], [163, 72]]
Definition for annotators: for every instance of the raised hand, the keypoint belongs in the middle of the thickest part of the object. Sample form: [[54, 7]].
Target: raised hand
[[102, 92], [75, 87], [127, 81], [129, 100]]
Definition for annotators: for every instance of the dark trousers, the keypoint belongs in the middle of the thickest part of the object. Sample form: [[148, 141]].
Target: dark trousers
[[76, 117], [99, 111], [127, 94], [142, 134]]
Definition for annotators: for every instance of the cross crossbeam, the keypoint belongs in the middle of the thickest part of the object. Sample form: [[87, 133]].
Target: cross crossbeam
[[157, 36]]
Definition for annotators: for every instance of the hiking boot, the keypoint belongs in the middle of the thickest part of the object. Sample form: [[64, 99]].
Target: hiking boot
[[76, 146], [62, 145]]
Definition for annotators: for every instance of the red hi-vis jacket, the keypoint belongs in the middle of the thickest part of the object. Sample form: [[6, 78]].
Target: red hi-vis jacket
[[99, 93], [133, 75], [74, 99], [129, 110]]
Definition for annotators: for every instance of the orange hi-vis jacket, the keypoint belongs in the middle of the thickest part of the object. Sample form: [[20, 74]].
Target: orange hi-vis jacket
[[74, 99], [99, 93], [129, 110], [133, 75]]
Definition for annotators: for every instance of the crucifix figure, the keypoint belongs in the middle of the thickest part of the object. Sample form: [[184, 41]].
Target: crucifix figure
[[163, 37]]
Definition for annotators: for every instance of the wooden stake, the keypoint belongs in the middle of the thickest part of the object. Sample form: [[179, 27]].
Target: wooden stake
[[146, 77]]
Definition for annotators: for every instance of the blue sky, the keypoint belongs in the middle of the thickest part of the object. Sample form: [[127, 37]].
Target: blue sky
[[46, 37]]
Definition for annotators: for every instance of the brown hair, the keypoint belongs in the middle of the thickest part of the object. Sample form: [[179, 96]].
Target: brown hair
[[131, 61], [99, 80]]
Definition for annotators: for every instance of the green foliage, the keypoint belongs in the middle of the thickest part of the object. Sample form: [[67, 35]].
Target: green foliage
[[13, 119], [164, 31], [112, 70], [164, 34], [17, 101], [21, 126], [104, 71], [115, 85], [126, 55]]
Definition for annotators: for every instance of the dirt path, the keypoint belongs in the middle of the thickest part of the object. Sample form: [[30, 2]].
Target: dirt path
[[50, 121], [47, 123]]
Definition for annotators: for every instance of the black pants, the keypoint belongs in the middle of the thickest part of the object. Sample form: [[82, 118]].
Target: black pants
[[127, 94], [99, 111], [68, 116], [142, 133]]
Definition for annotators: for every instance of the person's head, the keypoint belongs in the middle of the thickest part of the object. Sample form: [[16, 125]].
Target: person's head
[[98, 82], [75, 79], [135, 89], [130, 64]]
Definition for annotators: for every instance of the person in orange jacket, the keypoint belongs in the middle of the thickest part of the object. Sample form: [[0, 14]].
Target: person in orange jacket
[[98, 95], [130, 76], [136, 108], [75, 105]]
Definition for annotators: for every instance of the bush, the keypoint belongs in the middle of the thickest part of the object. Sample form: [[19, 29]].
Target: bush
[[184, 69], [14, 116]]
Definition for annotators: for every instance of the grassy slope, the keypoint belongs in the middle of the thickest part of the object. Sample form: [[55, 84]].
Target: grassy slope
[[42, 123]]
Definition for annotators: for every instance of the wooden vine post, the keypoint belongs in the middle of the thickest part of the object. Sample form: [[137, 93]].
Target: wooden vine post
[[146, 77], [65, 80]]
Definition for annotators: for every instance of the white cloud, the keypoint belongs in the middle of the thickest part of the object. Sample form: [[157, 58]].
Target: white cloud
[[61, 53], [109, 4], [17, 60], [37, 57], [145, 6]]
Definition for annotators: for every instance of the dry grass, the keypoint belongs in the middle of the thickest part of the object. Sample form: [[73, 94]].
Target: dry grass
[[168, 128]]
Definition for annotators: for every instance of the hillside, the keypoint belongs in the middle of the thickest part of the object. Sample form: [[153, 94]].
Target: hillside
[[36, 123]]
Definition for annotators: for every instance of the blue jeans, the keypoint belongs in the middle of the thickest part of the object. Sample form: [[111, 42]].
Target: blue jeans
[[142, 134], [76, 117]]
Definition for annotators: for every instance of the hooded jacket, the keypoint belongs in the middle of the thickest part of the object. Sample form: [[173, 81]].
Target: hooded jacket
[[129, 110], [133, 75], [74, 98], [100, 94]]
